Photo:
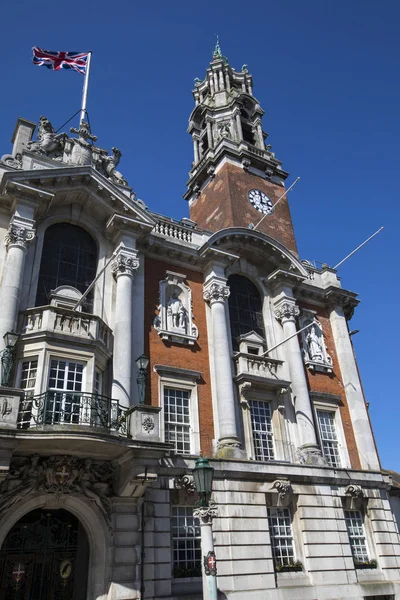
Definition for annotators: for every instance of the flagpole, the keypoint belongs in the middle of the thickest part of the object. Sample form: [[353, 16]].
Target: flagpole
[[85, 87]]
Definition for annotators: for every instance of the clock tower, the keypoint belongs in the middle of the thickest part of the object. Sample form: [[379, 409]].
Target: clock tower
[[235, 178]]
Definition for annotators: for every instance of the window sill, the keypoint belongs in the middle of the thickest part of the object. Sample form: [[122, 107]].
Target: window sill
[[292, 579], [370, 575], [186, 585]]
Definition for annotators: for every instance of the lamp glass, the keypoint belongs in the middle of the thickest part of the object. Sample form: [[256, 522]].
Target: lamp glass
[[203, 475], [10, 338], [142, 362]]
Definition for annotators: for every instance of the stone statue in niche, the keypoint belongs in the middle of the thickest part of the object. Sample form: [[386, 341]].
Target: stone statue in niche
[[174, 321], [314, 345], [176, 312], [315, 353]]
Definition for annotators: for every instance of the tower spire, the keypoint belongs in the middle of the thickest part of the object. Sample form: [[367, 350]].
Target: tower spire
[[217, 50]]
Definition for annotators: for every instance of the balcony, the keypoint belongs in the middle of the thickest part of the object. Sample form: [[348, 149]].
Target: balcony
[[257, 366], [72, 411], [65, 321], [253, 366]]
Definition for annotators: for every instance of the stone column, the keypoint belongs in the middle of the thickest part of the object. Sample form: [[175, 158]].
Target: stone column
[[18, 236], [123, 268], [206, 514], [209, 134], [239, 127], [216, 293], [309, 451], [354, 394], [196, 149]]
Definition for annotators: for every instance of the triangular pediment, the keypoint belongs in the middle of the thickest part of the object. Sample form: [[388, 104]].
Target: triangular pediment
[[75, 185]]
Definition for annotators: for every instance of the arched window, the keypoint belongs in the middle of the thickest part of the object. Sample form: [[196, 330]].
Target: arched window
[[69, 257], [245, 308]]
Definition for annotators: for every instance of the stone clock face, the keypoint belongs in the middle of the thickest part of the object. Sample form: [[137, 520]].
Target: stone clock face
[[260, 201]]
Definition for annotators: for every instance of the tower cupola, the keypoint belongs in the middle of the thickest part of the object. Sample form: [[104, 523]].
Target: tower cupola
[[227, 133]]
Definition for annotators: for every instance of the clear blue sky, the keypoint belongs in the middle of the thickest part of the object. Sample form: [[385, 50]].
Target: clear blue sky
[[327, 74]]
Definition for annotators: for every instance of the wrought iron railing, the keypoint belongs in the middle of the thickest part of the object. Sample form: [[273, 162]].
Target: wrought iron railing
[[72, 409]]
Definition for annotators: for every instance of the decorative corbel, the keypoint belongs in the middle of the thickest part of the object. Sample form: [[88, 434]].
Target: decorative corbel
[[354, 497], [281, 493]]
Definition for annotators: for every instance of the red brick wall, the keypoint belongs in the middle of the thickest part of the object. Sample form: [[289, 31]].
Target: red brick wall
[[332, 384], [176, 355], [224, 203]]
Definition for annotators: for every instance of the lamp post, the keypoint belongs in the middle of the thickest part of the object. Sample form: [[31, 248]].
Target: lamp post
[[142, 363], [7, 356], [205, 511]]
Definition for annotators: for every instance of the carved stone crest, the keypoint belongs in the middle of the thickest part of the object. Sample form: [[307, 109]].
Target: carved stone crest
[[58, 475], [148, 423]]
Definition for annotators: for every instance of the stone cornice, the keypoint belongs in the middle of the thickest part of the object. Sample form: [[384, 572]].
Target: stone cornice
[[54, 180], [297, 474], [258, 158]]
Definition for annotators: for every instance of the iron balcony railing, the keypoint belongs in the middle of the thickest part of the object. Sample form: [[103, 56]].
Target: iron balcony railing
[[72, 409]]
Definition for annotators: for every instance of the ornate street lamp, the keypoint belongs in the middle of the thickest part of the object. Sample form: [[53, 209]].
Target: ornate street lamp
[[205, 511], [142, 363], [203, 474], [7, 356]]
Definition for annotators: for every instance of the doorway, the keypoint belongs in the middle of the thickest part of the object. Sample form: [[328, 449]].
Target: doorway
[[45, 556]]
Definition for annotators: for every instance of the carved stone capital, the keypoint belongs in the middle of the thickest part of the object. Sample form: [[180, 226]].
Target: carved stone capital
[[216, 292], [287, 311], [125, 263], [206, 513], [311, 455], [19, 234]]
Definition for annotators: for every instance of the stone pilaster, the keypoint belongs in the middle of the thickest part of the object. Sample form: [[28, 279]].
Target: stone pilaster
[[352, 386], [286, 312], [20, 233], [123, 269], [216, 293]]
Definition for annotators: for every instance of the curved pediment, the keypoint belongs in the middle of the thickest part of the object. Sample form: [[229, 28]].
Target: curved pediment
[[257, 247], [83, 185]]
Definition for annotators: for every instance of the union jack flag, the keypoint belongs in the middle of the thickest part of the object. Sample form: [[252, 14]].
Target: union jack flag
[[60, 60]]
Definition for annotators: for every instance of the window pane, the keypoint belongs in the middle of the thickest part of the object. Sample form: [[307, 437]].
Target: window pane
[[69, 257], [261, 422], [177, 419], [245, 308], [330, 447], [280, 530], [186, 542], [355, 529]]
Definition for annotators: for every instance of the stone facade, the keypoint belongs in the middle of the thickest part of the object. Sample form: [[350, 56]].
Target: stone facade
[[304, 509]]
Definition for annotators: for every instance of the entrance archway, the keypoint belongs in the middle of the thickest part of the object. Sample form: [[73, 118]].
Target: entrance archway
[[45, 556]]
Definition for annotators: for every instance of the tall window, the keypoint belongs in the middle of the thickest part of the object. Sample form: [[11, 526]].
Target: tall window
[[245, 308], [186, 542], [261, 424], [64, 398], [69, 257], [355, 530], [177, 419], [280, 530], [27, 383], [327, 430]]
